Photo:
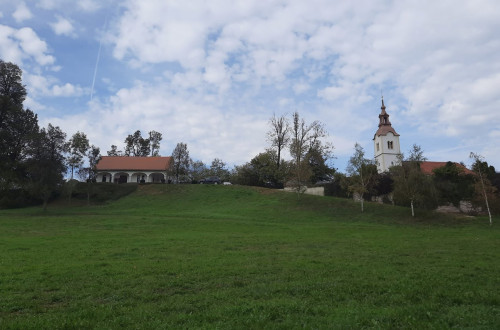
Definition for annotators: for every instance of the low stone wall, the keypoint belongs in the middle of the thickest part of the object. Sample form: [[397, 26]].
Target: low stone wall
[[317, 191]]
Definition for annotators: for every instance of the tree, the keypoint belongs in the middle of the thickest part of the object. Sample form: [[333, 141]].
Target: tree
[[452, 184], [362, 172], [46, 163], [154, 142], [136, 145], [197, 170], [478, 159], [279, 135], [78, 144], [89, 173], [410, 184], [180, 161], [299, 145], [114, 151], [11, 83], [218, 169], [18, 128]]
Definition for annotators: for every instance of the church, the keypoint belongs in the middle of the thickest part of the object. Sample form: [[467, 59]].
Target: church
[[386, 148], [385, 143]]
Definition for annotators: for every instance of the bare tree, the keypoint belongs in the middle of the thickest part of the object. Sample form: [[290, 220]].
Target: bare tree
[[279, 135], [478, 158], [299, 145]]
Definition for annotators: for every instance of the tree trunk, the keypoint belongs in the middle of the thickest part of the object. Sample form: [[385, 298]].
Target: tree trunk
[[485, 197], [412, 211], [362, 204]]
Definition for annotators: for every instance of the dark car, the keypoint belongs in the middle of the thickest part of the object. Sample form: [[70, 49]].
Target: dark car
[[211, 180]]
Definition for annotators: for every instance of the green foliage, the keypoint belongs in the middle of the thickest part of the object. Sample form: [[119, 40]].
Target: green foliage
[[218, 168], [154, 142], [136, 145], [362, 172], [452, 184], [180, 162], [195, 256]]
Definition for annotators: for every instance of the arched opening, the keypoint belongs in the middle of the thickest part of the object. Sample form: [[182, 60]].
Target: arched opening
[[139, 177], [156, 177], [120, 177], [105, 177]]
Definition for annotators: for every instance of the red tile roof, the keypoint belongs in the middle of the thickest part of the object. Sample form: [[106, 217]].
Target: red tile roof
[[428, 167], [114, 163]]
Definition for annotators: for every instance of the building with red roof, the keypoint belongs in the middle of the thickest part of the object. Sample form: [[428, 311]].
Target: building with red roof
[[429, 167], [122, 169]]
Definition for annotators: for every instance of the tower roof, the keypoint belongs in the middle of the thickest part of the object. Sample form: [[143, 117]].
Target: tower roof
[[384, 125]]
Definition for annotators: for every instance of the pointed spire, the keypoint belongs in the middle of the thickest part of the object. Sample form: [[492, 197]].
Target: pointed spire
[[383, 105]]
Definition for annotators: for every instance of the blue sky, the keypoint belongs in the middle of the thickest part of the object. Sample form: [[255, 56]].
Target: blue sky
[[212, 73]]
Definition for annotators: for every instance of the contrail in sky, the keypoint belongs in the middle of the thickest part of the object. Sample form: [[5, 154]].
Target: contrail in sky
[[97, 61]]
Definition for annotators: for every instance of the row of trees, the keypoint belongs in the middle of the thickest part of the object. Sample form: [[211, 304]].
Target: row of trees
[[33, 160], [310, 153], [138, 146], [185, 169]]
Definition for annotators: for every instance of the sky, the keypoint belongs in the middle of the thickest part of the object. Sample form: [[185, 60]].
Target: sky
[[212, 73]]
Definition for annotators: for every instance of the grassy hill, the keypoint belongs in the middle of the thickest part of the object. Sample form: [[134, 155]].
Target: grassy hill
[[191, 256]]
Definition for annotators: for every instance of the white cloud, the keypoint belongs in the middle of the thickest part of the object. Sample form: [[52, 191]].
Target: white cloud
[[17, 45], [47, 86], [32, 45], [62, 27], [22, 13]]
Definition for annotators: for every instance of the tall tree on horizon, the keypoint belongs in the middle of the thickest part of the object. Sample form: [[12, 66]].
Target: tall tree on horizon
[[179, 165], [46, 162], [78, 146], [478, 159], [18, 128], [361, 171], [154, 142], [279, 135], [136, 145]]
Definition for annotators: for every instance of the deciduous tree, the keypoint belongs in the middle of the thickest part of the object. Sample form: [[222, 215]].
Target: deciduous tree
[[301, 137], [180, 161], [46, 163], [78, 146], [279, 135], [410, 184], [482, 180], [154, 142], [361, 171], [136, 145]]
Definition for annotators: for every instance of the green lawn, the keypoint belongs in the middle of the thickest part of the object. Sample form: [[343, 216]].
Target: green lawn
[[199, 256]]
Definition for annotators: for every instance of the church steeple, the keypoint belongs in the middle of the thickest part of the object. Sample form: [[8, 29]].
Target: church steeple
[[384, 116], [385, 142], [384, 125]]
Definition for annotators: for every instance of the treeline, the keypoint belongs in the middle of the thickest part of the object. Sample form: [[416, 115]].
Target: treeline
[[33, 160], [406, 184]]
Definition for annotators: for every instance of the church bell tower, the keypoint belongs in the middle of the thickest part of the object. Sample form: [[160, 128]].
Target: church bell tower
[[385, 142]]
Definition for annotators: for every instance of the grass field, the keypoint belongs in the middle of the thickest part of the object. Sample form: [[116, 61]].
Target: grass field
[[199, 256]]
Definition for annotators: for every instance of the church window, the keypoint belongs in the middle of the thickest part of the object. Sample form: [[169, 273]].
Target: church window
[[378, 146], [389, 145]]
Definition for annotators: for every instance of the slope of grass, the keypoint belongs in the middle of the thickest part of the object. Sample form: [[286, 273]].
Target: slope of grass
[[183, 256]]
